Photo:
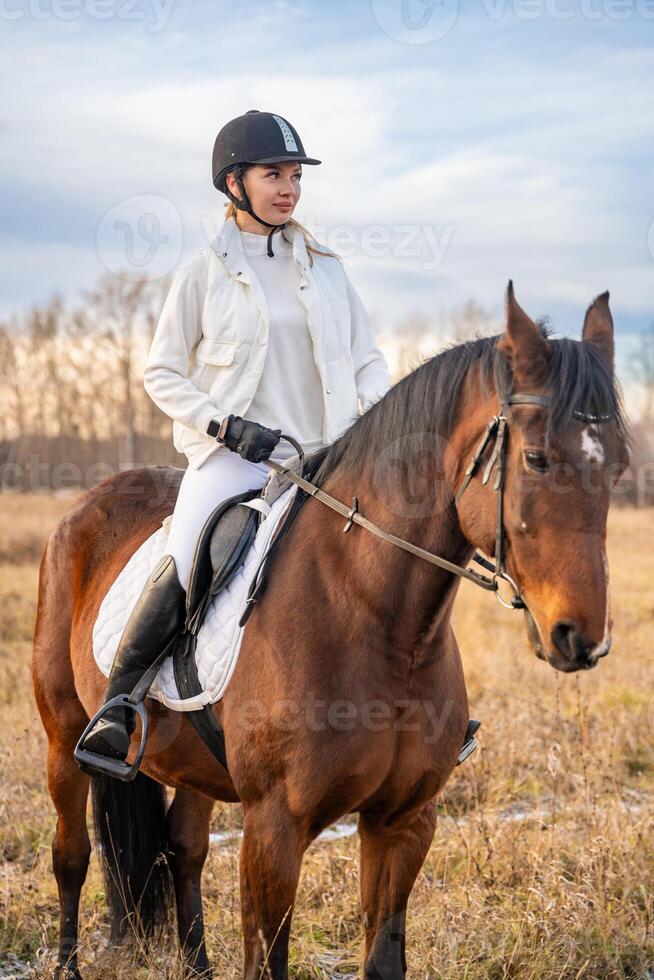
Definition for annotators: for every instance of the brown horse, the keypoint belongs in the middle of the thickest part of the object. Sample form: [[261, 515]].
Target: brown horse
[[348, 696]]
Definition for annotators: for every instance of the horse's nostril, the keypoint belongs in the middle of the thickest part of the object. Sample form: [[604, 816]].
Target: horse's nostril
[[566, 638], [569, 640]]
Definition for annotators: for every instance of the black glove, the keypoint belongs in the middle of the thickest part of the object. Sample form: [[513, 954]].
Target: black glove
[[250, 440]]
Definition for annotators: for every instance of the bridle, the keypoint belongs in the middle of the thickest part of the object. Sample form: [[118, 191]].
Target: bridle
[[498, 429]]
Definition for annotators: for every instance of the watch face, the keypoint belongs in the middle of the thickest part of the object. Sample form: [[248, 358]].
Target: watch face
[[213, 428]]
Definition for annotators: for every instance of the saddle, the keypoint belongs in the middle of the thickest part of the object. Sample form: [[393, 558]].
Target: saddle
[[221, 549]]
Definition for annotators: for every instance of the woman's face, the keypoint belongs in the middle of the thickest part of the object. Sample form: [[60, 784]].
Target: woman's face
[[273, 189]]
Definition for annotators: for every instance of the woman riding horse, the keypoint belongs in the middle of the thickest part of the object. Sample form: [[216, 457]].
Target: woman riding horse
[[235, 336]]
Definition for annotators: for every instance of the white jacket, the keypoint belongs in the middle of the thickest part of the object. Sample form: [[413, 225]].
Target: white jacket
[[209, 348]]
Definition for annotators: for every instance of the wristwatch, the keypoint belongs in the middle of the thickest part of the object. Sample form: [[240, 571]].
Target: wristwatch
[[217, 429]]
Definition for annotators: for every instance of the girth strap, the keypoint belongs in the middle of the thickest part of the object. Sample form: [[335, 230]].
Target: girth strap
[[186, 676]]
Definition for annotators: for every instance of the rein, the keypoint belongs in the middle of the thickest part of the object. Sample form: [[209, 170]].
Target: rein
[[497, 428]]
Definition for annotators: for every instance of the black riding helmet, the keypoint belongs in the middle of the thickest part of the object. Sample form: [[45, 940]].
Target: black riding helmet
[[255, 137]]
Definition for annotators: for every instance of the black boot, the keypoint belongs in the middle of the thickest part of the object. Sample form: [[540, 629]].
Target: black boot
[[157, 617]]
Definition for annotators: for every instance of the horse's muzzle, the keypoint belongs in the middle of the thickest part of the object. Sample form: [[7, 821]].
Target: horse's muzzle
[[573, 651]]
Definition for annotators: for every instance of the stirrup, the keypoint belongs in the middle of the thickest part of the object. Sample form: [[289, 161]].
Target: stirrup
[[96, 764], [470, 743]]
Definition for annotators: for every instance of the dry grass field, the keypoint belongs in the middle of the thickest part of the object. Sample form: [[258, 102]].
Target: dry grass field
[[543, 862]]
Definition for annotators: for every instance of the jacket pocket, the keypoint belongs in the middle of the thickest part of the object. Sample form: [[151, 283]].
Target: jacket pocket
[[219, 352]]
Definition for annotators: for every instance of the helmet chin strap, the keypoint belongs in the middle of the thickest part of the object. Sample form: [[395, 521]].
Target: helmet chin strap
[[245, 205]]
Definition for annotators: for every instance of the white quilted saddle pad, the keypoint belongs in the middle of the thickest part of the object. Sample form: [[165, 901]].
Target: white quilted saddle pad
[[220, 636]]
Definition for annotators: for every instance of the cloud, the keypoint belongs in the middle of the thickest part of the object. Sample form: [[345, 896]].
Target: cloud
[[516, 148]]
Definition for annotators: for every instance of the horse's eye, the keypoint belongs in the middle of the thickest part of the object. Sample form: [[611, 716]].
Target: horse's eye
[[537, 461]]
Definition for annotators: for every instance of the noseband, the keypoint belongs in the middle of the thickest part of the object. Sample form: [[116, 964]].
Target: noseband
[[497, 428]]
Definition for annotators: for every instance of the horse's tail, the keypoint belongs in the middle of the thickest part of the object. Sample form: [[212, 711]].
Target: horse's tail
[[130, 827]]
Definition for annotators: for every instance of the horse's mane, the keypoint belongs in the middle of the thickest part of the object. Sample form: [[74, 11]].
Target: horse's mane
[[428, 399]]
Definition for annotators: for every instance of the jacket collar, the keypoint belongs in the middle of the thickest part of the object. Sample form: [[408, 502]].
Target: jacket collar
[[228, 246]]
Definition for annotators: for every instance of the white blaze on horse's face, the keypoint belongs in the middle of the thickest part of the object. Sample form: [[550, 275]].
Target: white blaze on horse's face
[[591, 445]]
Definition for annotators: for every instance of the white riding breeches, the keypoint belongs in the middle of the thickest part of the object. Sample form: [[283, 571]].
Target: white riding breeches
[[222, 475]]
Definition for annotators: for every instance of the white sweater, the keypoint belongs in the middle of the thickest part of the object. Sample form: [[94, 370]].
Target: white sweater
[[289, 395]]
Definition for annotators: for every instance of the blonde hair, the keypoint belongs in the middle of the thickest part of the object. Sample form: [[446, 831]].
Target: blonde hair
[[311, 244]]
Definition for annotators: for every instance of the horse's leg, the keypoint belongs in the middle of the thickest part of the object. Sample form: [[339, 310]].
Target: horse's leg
[[71, 847], [64, 719], [271, 857], [391, 858], [188, 831]]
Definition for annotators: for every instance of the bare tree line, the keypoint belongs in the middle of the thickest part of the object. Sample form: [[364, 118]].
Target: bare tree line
[[76, 374], [74, 409], [71, 385]]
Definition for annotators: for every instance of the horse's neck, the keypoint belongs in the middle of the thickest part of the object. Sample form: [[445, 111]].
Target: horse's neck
[[405, 598], [398, 595]]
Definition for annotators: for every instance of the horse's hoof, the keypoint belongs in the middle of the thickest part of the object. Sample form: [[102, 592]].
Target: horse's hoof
[[197, 971], [196, 965], [66, 973]]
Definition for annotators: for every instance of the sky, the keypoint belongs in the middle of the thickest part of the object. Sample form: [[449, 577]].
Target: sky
[[462, 144]]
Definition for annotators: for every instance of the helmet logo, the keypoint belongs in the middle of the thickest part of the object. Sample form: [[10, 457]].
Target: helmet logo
[[289, 139]]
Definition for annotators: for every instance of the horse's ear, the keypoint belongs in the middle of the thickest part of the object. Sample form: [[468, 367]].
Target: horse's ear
[[598, 326], [523, 342]]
